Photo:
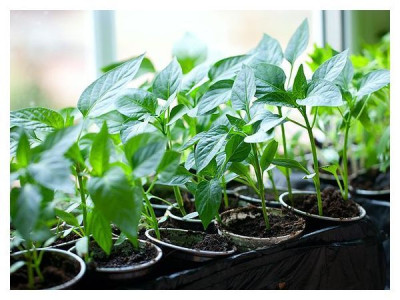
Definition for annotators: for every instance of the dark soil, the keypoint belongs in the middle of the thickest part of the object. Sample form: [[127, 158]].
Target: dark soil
[[69, 238], [122, 255], [372, 180], [255, 227], [333, 204], [197, 241], [269, 194], [56, 270], [190, 206]]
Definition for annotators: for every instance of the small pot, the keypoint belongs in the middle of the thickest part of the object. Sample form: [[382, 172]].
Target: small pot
[[257, 201], [284, 196], [183, 252], [246, 243], [370, 194], [67, 256], [128, 272], [188, 224]]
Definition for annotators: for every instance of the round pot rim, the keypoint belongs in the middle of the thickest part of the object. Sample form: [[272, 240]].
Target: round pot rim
[[129, 269], [75, 279], [251, 238], [184, 249], [361, 210], [365, 192], [237, 191], [175, 217]]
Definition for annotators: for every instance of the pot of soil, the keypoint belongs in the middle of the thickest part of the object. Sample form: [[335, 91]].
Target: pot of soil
[[194, 246], [371, 184], [66, 238], [335, 209], [246, 227], [61, 270], [247, 194], [124, 262]]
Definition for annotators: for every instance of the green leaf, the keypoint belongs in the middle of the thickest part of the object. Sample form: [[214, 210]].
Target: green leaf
[[144, 152], [297, 43], [332, 68], [209, 145], [243, 89], [269, 78], [289, 163], [181, 177], [331, 169], [226, 68], [268, 154], [16, 266], [217, 94], [114, 120], [167, 83], [132, 128], [135, 103], [259, 137], [82, 246], [23, 153], [145, 67], [322, 93], [268, 51], [177, 113], [189, 51], [168, 165], [277, 99], [27, 210], [300, 84], [236, 149], [100, 152], [99, 96], [208, 199], [53, 172], [100, 228], [373, 82], [346, 76], [194, 78], [37, 118], [117, 200], [236, 122], [60, 141], [241, 170], [67, 217]]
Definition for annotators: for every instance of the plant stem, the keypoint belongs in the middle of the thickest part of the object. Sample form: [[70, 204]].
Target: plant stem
[[315, 159], [260, 185], [345, 167], [37, 265], [152, 214], [83, 197], [285, 154], [225, 194], [271, 178]]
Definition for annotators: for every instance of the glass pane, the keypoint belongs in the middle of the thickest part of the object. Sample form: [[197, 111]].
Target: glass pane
[[51, 57], [224, 32]]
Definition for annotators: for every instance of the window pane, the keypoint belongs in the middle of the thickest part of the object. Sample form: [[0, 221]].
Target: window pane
[[51, 57], [224, 32]]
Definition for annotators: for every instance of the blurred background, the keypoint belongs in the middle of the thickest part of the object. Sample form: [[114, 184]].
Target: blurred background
[[56, 54]]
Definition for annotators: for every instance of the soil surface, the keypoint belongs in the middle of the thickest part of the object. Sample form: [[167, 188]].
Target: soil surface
[[333, 204], [372, 180], [286, 224], [56, 270], [269, 194], [122, 255], [69, 238], [194, 240]]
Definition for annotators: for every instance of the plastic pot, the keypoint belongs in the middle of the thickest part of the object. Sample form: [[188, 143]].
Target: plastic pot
[[312, 217], [129, 272], [370, 194], [176, 249], [66, 256], [239, 192], [244, 243]]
